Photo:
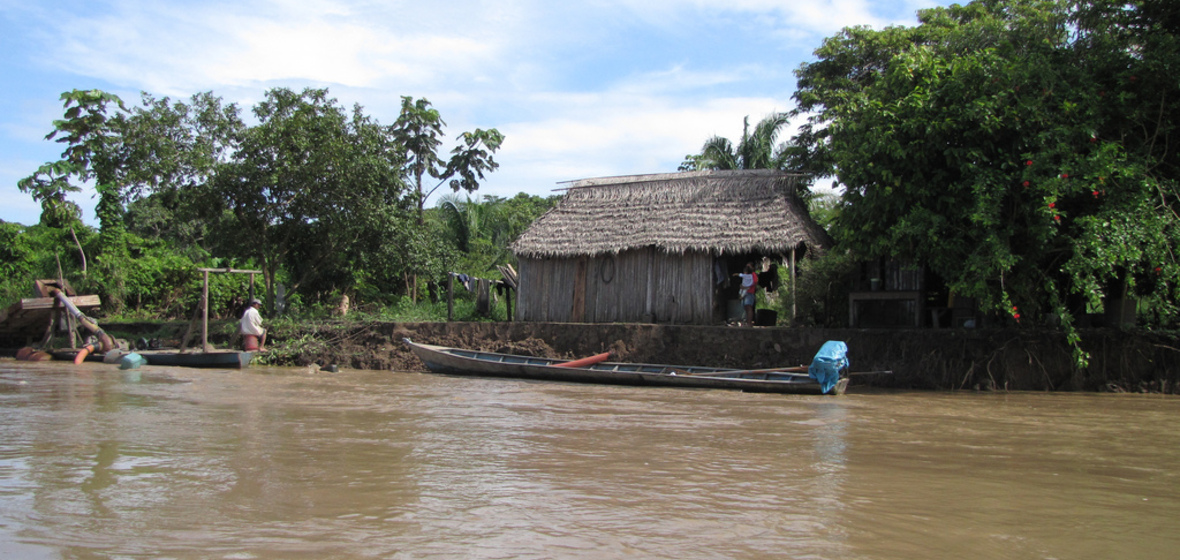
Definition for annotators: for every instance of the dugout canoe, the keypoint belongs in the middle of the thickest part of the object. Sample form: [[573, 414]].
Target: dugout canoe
[[223, 359], [457, 361]]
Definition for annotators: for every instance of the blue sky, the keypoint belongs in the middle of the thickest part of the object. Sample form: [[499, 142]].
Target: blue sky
[[580, 89]]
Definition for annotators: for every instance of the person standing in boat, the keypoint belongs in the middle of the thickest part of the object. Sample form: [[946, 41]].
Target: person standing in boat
[[749, 285], [253, 335]]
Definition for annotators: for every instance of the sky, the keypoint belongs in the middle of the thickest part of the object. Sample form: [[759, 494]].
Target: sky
[[579, 88]]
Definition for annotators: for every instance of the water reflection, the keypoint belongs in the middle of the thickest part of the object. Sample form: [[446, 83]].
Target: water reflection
[[276, 463]]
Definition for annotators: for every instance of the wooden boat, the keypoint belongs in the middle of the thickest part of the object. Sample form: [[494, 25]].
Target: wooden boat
[[68, 354], [224, 359], [439, 359]]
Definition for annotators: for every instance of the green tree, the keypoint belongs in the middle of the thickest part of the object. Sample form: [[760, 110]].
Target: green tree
[[49, 186], [824, 207], [1014, 147], [173, 150], [418, 129], [478, 231], [312, 194], [303, 183], [91, 153], [28, 253], [758, 150], [483, 230]]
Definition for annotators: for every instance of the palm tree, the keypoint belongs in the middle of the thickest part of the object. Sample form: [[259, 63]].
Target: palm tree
[[478, 228], [759, 150]]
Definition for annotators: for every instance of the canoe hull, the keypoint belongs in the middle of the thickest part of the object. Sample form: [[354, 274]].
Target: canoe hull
[[228, 359], [455, 361]]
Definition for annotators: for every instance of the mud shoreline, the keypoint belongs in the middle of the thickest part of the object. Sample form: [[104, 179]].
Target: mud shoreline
[[921, 359]]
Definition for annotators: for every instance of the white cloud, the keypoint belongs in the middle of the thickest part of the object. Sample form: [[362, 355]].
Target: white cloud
[[179, 48], [815, 18], [580, 89], [612, 135]]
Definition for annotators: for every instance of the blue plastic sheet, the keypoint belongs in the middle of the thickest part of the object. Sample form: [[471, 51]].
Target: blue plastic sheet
[[829, 361], [131, 361]]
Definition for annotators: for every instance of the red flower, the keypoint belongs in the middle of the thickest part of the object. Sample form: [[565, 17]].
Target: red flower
[[1026, 183], [1058, 218], [1065, 175], [1052, 205], [1095, 194], [1029, 162]]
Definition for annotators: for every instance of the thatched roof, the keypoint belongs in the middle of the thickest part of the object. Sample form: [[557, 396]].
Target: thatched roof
[[751, 211]]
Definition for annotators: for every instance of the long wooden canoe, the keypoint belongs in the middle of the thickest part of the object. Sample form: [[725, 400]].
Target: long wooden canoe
[[440, 359], [224, 359]]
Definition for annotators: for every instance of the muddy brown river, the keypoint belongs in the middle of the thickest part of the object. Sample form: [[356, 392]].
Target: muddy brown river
[[290, 463]]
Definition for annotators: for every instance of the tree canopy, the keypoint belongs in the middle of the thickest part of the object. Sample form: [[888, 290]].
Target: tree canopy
[[418, 129], [320, 197], [760, 149], [1023, 150]]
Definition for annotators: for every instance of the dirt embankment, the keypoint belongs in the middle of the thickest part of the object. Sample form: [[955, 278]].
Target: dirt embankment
[[931, 359], [942, 359]]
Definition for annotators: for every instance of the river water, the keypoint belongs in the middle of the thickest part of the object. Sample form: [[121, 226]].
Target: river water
[[96, 462]]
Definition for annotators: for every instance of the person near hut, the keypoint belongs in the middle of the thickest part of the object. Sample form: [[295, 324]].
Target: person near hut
[[749, 285], [253, 335]]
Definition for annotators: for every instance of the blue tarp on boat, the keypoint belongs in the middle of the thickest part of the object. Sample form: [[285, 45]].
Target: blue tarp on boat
[[825, 368]]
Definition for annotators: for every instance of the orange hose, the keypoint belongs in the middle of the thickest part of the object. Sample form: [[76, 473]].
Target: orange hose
[[85, 351], [585, 361]]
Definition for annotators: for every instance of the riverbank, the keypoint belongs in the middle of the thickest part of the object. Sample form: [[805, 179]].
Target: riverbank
[[925, 359]]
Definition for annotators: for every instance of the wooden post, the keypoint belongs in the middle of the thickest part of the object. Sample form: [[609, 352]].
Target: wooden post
[[190, 331], [61, 281], [54, 317], [73, 326], [508, 301], [205, 314], [794, 296], [202, 311], [450, 296], [578, 313], [649, 294], [482, 297]]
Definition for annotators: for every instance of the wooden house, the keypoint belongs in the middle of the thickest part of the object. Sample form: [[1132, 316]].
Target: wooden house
[[659, 248]]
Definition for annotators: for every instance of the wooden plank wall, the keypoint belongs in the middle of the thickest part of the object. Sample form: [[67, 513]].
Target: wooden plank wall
[[634, 286]]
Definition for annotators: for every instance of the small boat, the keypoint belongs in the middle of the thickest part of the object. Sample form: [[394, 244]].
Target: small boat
[[224, 359], [439, 359]]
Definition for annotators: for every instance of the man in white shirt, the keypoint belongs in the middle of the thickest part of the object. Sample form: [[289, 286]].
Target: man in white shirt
[[253, 335]]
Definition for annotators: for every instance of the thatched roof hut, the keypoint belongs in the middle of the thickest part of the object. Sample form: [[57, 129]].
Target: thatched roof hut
[[671, 238], [719, 212]]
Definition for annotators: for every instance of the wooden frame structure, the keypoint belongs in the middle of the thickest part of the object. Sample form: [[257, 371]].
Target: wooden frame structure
[[203, 309]]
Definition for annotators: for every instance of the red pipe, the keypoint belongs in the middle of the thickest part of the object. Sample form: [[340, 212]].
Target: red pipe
[[585, 361], [85, 351]]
